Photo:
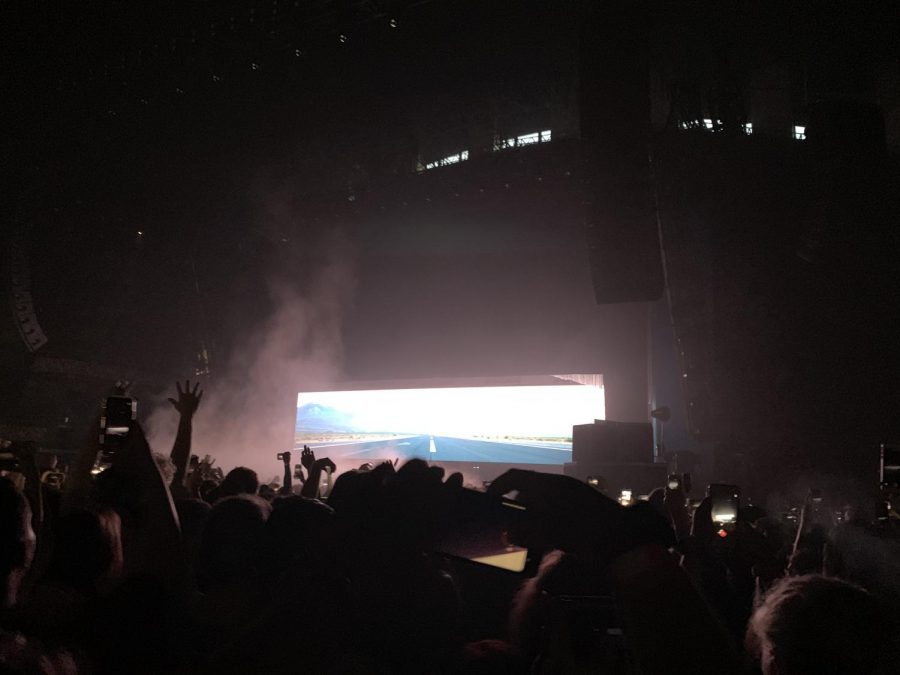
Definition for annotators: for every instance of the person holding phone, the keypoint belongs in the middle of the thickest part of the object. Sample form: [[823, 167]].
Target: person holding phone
[[668, 625]]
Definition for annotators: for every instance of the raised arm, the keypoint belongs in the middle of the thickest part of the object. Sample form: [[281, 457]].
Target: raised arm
[[287, 485], [186, 405], [77, 487], [668, 626], [26, 454], [155, 542], [314, 477]]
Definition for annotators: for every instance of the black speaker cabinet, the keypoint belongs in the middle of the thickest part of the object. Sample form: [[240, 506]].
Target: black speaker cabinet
[[612, 442]]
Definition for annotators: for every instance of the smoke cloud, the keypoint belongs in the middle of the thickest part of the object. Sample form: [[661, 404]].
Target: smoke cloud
[[249, 405]]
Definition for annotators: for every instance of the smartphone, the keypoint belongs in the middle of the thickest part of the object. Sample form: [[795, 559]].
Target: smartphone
[[280, 456], [674, 481], [482, 529], [889, 467], [725, 500], [117, 415], [115, 420], [625, 497]]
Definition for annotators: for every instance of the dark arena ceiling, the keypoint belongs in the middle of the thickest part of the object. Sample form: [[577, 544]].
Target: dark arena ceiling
[[169, 163]]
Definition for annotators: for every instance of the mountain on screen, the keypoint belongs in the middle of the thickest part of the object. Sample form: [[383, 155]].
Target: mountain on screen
[[316, 417]]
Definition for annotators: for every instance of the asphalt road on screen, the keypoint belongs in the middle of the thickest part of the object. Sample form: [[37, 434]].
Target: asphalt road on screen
[[449, 449]]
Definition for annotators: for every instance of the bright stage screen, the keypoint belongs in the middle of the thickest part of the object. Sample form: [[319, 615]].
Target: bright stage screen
[[509, 424]]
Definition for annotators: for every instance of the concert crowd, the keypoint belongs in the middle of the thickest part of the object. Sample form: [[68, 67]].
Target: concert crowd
[[131, 560]]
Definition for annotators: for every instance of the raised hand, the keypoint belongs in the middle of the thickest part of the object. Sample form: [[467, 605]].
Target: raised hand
[[287, 485], [382, 472], [186, 405], [120, 388], [307, 458], [322, 464], [188, 399], [314, 472]]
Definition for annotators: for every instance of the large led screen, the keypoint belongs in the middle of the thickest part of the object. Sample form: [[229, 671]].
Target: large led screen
[[510, 424]]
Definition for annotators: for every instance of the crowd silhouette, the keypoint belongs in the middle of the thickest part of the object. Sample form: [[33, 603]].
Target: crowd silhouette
[[144, 562]]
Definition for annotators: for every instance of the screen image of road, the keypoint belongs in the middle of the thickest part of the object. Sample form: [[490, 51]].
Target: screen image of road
[[509, 424]]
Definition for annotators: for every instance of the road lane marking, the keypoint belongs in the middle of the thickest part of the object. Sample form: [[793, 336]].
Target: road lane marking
[[379, 449], [453, 450]]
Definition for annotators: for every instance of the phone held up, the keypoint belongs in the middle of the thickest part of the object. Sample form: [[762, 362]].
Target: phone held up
[[725, 501], [889, 466], [679, 481], [115, 421]]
